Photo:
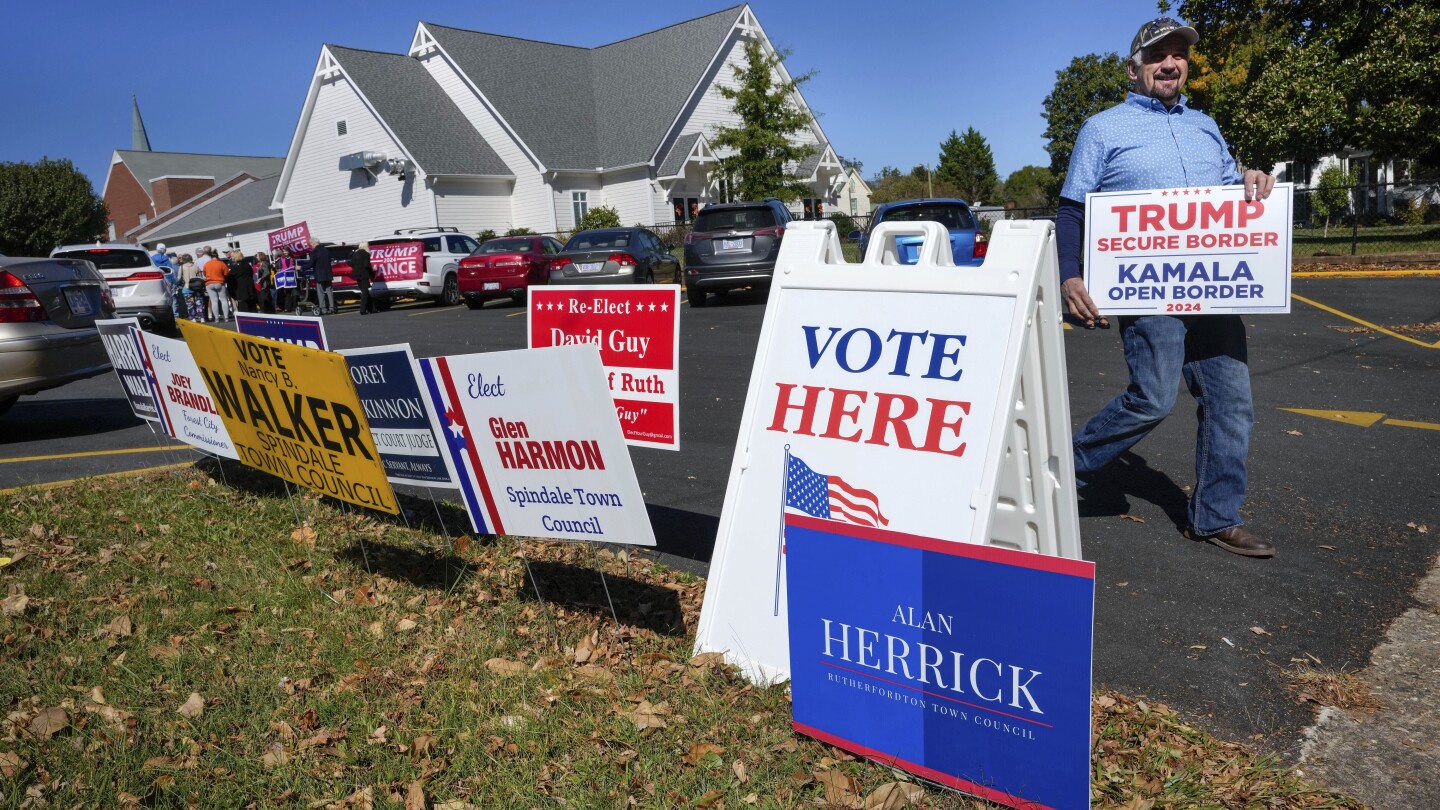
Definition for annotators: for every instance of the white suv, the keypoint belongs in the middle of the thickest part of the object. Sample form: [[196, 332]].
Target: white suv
[[438, 280], [138, 286]]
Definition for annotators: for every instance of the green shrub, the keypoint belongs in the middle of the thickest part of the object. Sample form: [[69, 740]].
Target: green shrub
[[486, 235], [519, 232], [601, 216]]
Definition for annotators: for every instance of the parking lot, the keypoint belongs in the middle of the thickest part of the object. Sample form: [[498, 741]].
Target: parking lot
[[1345, 480]]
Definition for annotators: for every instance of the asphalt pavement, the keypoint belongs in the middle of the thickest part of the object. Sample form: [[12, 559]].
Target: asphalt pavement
[[1342, 484]]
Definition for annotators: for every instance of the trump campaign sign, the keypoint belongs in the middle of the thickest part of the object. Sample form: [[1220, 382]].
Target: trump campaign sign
[[300, 330], [637, 329], [917, 653], [1189, 251], [295, 238], [402, 261], [533, 446]]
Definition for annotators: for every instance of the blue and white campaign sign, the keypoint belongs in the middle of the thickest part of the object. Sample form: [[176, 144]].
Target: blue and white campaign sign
[[399, 415], [534, 446], [186, 409], [297, 329], [1189, 251], [886, 396], [965, 664], [121, 337]]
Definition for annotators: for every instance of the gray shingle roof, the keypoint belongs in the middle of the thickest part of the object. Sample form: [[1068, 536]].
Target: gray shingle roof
[[245, 203], [148, 166], [675, 158], [422, 116], [579, 108]]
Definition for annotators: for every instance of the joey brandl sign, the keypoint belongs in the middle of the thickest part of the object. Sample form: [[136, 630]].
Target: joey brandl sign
[[293, 412]]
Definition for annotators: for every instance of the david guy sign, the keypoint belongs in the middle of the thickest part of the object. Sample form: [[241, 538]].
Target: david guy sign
[[966, 664], [1189, 251], [637, 329]]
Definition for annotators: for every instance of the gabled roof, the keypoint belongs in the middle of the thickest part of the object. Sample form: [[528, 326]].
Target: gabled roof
[[679, 153], [422, 117], [582, 108], [150, 166], [245, 203]]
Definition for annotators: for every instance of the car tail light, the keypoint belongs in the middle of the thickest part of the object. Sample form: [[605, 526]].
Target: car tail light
[[775, 232], [556, 264], [18, 303], [145, 275], [982, 245], [694, 236], [622, 259]]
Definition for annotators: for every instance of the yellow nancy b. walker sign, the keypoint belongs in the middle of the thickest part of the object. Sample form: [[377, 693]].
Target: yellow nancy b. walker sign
[[293, 412]]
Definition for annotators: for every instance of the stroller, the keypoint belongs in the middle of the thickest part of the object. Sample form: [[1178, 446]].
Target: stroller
[[307, 293]]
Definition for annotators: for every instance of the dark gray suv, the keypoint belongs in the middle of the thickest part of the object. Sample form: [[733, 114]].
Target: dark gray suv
[[733, 245]]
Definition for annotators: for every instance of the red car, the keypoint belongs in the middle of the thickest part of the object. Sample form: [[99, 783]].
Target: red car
[[506, 266]]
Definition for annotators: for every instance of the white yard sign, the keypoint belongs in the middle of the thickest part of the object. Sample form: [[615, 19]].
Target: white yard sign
[[1189, 251]]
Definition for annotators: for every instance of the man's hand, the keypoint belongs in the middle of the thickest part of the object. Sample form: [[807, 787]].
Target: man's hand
[[1257, 184], [1080, 305]]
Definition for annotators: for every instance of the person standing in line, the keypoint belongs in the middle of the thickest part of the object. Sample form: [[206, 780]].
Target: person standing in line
[[284, 280], [192, 287], [242, 273], [364, 273], [162, 262], [323, 275], [265, 281], [1155, 140], [216, 293]]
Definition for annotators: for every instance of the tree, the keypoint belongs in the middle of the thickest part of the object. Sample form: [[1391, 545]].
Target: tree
[[967, 163], [1332, 194], [1031, 187], [761, 154], [1090, 84], [1310, 77], [601, 216], [46, 204], [891, 185]]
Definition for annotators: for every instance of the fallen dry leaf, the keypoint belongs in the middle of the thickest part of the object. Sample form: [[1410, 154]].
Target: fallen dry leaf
[[505, 667], [647, 716], [1133, 518], [304, 536], [738, 768], [894, 796], [1292, 433], [710, 798], [11, 764], [1260, 631], [405, 625], [415, 796], [49, 722], [119, 626], [699, 751], [193, 707], [14, 604], [274, 755], [841, 790]]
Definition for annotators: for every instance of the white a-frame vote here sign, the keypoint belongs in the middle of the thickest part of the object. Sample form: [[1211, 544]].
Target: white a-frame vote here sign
[[927, 400]]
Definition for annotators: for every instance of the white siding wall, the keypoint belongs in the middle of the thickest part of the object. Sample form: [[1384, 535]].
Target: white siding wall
[[340, 206], [630, 193], [530, 205], [564, 211], [473, 205], [251, 240], [713, 110]]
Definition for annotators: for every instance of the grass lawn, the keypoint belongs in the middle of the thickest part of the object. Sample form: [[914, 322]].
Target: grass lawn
[[180, 640]]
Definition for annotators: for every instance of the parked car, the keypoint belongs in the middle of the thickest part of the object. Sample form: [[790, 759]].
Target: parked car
[[733, 245], [615, 256], [506, 266], [138, 286], [967, 242], [48, 309], [438, 280]]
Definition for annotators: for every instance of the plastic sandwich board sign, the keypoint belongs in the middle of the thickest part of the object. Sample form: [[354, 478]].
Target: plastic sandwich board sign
[[638, 331], [533, 444], [1189, 251], [301, 330], [186, 408], [399, 415], [121, 337], [925, 402], [292, 411]]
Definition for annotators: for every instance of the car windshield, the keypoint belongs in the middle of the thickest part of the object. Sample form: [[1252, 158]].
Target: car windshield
[[503, 246], [953, 217], [595, 240], [109, 259], [735, 219]]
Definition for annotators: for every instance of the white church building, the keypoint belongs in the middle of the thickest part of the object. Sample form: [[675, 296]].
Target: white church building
[[481, 132]]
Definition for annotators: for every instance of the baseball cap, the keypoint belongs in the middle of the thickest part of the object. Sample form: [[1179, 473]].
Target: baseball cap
[[1159, 28], [160, 246]]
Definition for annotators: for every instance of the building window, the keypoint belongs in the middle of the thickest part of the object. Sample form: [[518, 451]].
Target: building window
[[110, 229], [144, 218], [813, 208], [685, 209], [580, 204], [341, 128]]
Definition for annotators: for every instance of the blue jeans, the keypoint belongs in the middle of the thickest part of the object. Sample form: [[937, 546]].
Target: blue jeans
[[1209, 352]]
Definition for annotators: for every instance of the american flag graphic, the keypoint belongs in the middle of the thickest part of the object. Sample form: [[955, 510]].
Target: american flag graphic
[[829, 496]]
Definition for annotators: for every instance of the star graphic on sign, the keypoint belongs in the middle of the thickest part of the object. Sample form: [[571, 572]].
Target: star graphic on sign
[[457, 427], [652, 306], [665, 307], [1208, 190]]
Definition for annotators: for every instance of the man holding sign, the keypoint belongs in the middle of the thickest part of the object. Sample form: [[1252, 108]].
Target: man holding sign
[[1154, 140]]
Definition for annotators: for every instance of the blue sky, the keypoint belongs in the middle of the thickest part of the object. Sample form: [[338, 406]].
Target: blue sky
[[891, 79]]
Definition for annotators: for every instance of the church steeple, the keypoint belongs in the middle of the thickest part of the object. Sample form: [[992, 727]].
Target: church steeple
[[139, 141]]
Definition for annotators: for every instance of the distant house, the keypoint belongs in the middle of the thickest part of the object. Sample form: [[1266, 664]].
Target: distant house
[[853, 193], [142, 185], [1383, 184], [234, 213], [480, 131]]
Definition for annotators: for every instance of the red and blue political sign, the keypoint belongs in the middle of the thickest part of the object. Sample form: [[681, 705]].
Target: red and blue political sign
[[965, 664], [297, 329], [121, 337], [385, 381]]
